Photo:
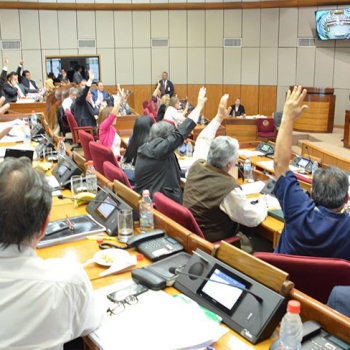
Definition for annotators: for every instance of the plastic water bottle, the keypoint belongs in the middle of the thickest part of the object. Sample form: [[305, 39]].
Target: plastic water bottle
[[189, 150], [146, 212], [61, 148], [291, 331], [247, 169], [33, 118], [91, 178], [314, 167], [26, 134]]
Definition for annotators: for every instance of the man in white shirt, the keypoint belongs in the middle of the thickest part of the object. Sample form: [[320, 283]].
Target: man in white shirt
[[67, 102], [212, 195], [43, 303]]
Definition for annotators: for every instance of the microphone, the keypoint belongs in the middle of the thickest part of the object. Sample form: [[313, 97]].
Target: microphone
[[112, 204], [176, 271], [307, 150]]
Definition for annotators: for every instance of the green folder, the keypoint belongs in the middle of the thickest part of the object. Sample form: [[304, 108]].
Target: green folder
[[277, 214]]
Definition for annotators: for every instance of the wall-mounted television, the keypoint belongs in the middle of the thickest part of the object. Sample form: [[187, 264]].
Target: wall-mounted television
[[69, 63], [333, 24]]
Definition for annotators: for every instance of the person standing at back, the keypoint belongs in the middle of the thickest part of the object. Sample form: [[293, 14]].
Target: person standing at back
[[43, 303], [166, 86]]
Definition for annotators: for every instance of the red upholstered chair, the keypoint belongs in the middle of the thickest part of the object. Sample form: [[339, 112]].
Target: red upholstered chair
[[101, 154], [266, 128], [85, 138], [313, 276], [145, 104], [74, 128], [184, 217], [113, 172]]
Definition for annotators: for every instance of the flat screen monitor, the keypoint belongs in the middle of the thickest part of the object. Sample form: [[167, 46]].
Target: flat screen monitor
[[333, 24]]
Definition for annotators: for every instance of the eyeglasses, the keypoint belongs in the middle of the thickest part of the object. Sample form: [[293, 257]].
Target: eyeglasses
[[70, 224], [119, 306]]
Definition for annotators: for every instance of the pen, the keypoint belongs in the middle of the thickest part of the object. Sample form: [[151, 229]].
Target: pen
[[107, 238]]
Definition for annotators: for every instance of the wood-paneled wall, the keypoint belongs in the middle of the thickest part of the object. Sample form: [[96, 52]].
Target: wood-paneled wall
[[255, 99]]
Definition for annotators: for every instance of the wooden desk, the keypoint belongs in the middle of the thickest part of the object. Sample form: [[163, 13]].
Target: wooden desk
[[27, 108], [198, 129], [242, 129], [125, 124], [319, 117], [326, 157]]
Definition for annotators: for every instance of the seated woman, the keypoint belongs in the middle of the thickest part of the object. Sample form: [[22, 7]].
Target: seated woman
[[140, 136], [164, 103], [173, 114], [107, 120]]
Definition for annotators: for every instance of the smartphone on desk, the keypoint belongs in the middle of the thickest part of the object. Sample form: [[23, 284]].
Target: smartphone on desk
[[155, 244], [133, 289]]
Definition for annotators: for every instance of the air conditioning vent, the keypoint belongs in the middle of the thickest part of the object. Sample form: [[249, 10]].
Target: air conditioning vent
[[86, 43], [164, 42], [306, 42], [232, 42], [11, 44]]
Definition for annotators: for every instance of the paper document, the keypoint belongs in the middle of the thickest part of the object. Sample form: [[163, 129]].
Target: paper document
[[272, 202], [186, 162], [252, 188], [249, 153], [157, 322], [266, 164]]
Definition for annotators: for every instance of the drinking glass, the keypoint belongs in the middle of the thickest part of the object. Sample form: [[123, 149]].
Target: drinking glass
[[125, 225], [48, 157], [76, 185]]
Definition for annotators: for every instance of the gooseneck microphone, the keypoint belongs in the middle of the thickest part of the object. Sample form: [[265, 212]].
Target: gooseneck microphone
[[176, 271], [307, 150], [112, 204]]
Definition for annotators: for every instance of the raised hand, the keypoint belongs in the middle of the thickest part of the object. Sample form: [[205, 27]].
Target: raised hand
[[223, 111], [201, 97], [293, 108], [91, 75]]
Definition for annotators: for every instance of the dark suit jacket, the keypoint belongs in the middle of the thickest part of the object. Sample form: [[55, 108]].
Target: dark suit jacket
[[26, 82], [240, 111], [83, 111], [94, 94], [2, 80], [77, 77], [169, 88], [10, 92]]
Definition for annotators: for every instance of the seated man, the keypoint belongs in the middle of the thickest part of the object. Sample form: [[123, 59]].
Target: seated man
[[67, 102], [99, 95], [4, 107], [317, 227], [12, 90], [157, 168], [213, 196], [339, 300], [84, 109], [25, 79], [45, 303]]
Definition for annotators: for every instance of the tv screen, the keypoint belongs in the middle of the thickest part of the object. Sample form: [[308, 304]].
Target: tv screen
[[333, 24]]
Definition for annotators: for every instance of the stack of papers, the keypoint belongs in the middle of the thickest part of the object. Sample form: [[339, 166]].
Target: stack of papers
[[158, 322]]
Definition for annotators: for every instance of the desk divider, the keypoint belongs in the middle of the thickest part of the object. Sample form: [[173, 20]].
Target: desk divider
[[257, 269]]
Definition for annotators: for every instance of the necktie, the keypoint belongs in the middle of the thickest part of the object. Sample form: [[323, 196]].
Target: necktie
[[164, 85]]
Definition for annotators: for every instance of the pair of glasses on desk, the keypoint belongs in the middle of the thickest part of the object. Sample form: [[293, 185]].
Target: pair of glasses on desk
[[119, 306]]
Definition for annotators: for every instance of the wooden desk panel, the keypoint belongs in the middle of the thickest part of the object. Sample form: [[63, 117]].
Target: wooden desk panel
[[198, 129], [347, 129], [242, 129], [27, 108]]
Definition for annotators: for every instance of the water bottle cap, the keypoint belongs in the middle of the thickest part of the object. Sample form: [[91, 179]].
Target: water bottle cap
[[90, 162], [145, 192], [247, 158], [60, 138], [33, 112], [293, 307]]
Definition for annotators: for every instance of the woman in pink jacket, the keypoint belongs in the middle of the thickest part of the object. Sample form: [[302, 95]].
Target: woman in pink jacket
[[107, 120]]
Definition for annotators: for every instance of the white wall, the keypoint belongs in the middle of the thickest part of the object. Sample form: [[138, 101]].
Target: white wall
[[269, 54]]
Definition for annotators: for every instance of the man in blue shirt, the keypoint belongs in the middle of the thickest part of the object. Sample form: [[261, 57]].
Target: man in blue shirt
[[317, 226]]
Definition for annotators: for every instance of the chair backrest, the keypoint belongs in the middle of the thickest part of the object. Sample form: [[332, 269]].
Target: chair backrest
[[113, 172], [72, 124], [85, 139], [313, 276], [265, 124], [277, 116], [101, 154], [177, 212]]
